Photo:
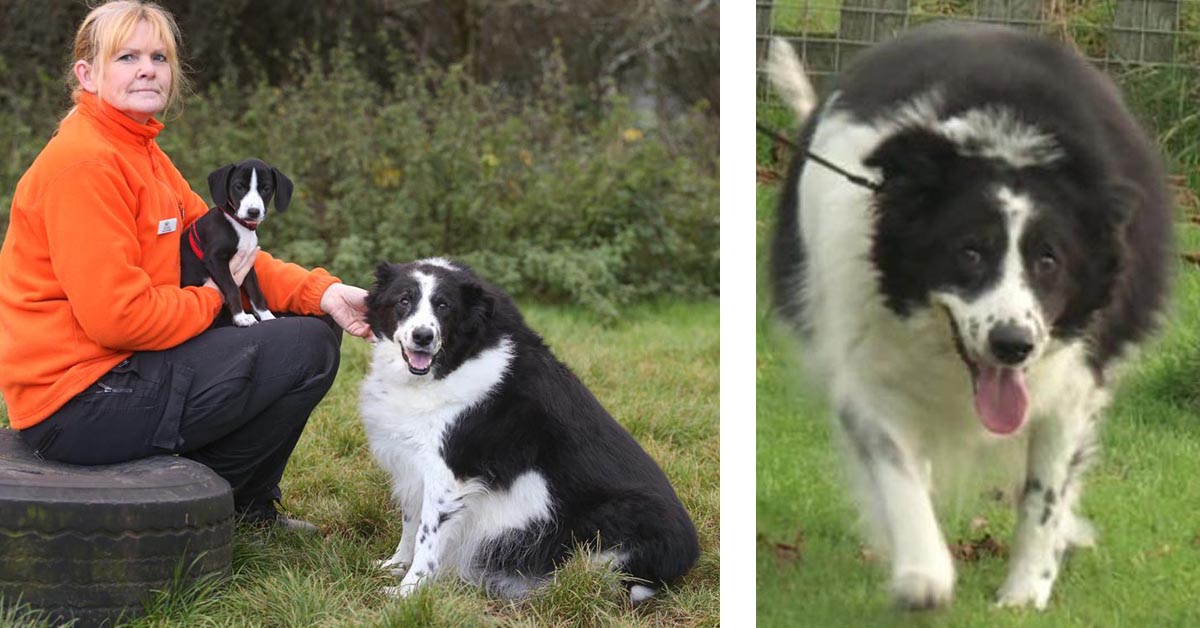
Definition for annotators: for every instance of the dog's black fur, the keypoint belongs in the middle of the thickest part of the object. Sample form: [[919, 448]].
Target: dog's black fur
[[238, 208], [538, 417]]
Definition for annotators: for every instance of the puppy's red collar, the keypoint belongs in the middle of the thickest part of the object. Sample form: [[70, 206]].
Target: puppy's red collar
[[232, 213]]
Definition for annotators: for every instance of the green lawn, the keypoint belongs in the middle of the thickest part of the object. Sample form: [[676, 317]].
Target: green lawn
[[656, 370], [1143, 495]]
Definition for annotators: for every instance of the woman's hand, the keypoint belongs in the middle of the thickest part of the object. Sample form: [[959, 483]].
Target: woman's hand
[[348, 306], [239, 266]]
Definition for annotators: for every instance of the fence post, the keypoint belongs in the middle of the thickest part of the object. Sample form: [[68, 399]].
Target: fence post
[[1144, 30], [763, 33]]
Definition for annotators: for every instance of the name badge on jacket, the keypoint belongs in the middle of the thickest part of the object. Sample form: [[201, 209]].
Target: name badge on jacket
[[167, 226]]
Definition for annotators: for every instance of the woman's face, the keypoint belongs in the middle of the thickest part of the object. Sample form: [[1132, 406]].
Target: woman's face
[[137, 79]]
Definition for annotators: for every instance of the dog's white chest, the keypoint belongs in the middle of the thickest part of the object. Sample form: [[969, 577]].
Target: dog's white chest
[[407, 415], [247, 238]]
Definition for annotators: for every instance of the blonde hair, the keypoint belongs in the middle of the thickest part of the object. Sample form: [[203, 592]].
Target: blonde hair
[[109, 25]]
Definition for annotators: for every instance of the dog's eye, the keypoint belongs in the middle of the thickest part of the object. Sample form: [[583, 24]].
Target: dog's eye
[[1045, 265], [404, 301], [441, 305], [970, 258]]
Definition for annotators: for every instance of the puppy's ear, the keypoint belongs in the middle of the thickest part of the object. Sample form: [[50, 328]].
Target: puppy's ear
[[218, 184], [913, 161], [283, 190]]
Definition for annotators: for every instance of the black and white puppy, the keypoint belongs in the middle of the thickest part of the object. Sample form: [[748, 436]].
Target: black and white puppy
[[241, 193], [501, 460], [972, 237]]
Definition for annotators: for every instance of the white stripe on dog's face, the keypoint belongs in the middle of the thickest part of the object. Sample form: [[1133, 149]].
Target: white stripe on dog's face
[[422, 319], [253, 200], [1010, 306]]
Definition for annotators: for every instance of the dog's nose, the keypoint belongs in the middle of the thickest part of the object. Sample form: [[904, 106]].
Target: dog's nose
[[422, 336], [253, 213], [1010, 343]]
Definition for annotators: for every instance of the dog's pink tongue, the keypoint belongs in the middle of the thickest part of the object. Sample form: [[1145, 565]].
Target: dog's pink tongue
[[1001, 399], [419, 360]]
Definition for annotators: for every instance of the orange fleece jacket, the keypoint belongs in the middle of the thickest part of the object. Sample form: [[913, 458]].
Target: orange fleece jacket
[[89, 270]]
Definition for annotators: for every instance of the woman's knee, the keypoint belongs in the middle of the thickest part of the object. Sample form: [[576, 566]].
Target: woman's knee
[[311, 344], [324, 344]]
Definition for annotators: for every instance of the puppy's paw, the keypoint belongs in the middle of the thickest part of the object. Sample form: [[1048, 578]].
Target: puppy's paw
[[923, 589], [264, 315], [244, 319], [1022, 590]]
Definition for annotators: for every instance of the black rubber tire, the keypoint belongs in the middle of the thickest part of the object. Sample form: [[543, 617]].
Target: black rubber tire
[[91, 543]]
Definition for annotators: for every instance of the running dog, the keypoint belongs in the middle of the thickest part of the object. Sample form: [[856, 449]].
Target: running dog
[[973, 236]]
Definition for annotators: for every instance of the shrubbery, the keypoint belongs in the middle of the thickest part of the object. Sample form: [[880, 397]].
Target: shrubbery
[[549, 195]]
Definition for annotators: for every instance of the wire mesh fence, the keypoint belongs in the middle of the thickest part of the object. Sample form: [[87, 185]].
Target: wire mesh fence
[[1150, 47], [1116, 34]]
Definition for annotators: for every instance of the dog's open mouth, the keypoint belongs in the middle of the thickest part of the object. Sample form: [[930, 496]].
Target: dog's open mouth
[[419, 362], [1001, 398]]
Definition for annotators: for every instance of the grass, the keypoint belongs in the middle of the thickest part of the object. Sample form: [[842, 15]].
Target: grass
[[812, 569], [656, 371]]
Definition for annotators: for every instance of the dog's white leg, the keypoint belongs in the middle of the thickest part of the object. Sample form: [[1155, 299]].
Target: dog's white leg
[[1059, 451], [264, 315], [400, 561], [441, 499], [922, 568]]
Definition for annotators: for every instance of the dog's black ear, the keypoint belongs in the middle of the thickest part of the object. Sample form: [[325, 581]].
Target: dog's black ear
[[218, 184], [384, 272], [1122, 199], [283, 190], [913, 161], [478, 301]]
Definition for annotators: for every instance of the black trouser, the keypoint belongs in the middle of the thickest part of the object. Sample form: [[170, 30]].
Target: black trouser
[[235, 399]]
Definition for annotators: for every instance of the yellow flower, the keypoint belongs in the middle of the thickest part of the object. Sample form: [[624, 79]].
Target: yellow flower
[[388, 177], [632, 135], [490, 160]]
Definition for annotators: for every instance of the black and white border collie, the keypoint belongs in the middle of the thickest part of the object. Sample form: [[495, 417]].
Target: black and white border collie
[[501, 460], [972, 237]]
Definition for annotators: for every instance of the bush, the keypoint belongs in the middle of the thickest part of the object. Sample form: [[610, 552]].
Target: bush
[[551, 195]]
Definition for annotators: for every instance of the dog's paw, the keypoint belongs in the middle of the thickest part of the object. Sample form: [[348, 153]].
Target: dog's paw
[[1078, 531], [244, 319], [1022, 590], [410, 584], [918, 590], [394, 566], [265, 315]]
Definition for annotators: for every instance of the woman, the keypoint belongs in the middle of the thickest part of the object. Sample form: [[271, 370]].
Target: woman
[[103, 357]]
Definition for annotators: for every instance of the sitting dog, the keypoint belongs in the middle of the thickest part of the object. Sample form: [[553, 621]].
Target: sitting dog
[[501, 460], [973, 236], [240, 194]]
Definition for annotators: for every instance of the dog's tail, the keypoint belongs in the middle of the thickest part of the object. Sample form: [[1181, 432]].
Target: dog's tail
[[787, 248], [787, 74]]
